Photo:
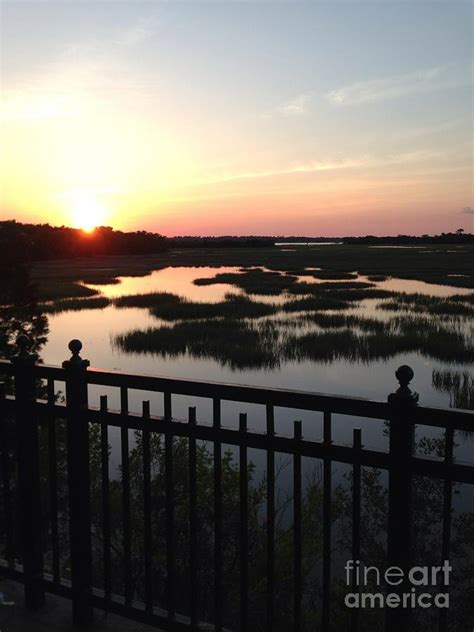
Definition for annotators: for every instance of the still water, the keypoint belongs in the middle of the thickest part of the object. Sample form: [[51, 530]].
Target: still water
[[373, 380]]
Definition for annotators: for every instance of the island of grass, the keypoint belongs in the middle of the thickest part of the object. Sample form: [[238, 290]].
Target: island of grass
[[253, 281], [173, 307], [242, 344]]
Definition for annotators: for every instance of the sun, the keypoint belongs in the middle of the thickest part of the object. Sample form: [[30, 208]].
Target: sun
[[86, 211]]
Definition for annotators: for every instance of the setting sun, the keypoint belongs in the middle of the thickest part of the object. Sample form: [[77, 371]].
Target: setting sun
[[86, 211]]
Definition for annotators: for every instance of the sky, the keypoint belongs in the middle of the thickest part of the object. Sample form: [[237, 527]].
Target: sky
[[278, 118]]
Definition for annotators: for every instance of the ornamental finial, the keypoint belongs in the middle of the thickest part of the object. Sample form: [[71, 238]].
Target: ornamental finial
[[404, 394], [75, 361]]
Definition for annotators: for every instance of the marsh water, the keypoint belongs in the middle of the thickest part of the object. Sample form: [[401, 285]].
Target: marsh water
[[98, 330]]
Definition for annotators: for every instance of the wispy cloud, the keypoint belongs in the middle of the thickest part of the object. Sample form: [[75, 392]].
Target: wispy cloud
[[120, 40], [422, 81], [330, 165], [295, 107], [139, 32], [468, 210], [302, 168]]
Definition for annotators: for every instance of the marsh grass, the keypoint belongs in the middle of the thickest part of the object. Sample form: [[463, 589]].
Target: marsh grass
[[347, 321], [435, 265], [298, 272], [462, 298], [153, 299], [53, 290], [343, 291], [100, 280], [233, 307], [378, 277], [315, 303], [235, 332], [332, 345], [355, 294], [344, 285], [253, 281], [422, 303], [75, 304], [330, 286], [458, 384], [330, 274], [240, 343], [233, 343], [173, 307]]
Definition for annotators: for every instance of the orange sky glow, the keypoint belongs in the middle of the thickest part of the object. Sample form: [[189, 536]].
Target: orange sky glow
[[186, 121]]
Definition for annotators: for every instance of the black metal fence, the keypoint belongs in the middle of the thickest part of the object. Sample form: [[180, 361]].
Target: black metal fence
[[30, 412]]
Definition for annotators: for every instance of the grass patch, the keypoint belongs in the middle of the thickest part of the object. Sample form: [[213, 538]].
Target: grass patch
[[344, 285], [315, 288], [348, 291], [315, 303], [298, 271], [458, 384], [253, 281], [173, 307], [331, 274], [154, 299], [233, 307], [52, 290], [354, 294], [462, 298], [301, 288], [421, 303], [75, 304], [347, 321], [334, 345], [244, 344], [232, 343], [100, 280], [378, 277]]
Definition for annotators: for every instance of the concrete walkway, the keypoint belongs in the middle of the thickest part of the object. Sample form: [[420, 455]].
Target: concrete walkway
[[55, 616]]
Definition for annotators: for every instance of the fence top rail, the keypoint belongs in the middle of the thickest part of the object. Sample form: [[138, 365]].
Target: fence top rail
[[285, 398]]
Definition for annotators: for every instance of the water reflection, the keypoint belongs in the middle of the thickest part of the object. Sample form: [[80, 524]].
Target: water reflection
[[458, 384], [178, 280], [99, 328]]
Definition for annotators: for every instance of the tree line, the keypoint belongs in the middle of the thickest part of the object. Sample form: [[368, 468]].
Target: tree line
[[37, 242], [40, 242]]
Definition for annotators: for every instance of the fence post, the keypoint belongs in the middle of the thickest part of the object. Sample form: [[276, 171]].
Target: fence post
[[79, 484], [28, 474], [402, 430]]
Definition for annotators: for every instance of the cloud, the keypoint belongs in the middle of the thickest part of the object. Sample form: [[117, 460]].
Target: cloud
[[142, 30], [295, 107], [420, 82], [301, 168], [468, 210], [121, 40], [298, 106]]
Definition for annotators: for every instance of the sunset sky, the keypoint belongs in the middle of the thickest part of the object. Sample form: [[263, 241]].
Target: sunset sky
[[296, 118]]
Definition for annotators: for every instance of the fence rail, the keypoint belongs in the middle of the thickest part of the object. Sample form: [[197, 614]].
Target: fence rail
[[26, 410]]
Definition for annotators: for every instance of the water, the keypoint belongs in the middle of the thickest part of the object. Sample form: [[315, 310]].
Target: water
[[374, 380]]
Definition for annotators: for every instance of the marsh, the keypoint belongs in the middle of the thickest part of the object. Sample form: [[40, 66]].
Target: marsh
[[328, 318]]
